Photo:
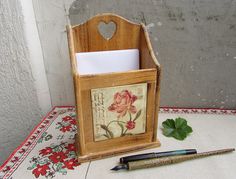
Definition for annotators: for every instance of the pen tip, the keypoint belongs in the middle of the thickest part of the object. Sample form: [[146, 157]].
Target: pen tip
[[119, 167]]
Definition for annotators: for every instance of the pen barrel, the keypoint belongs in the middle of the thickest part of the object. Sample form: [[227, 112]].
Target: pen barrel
[[173, 159], [146, 156], [132, 158]]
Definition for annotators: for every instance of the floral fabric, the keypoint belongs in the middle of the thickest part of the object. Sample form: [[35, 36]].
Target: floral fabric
[[49, 152]]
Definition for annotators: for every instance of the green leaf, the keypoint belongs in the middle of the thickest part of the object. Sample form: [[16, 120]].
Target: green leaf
[[128, 133], [106, 136], [107, 130], [56, 149], [122, 128], [169, 123], [43, 162], [63, 171], [59, 166], [72, 115], [168, 132], [72, 154], [179, 122], [179, 134], [40, 140], [137, 115], [177, 128], [32, 167]]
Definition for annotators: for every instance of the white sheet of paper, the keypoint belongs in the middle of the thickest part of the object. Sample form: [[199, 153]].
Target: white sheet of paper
[[107, 61]]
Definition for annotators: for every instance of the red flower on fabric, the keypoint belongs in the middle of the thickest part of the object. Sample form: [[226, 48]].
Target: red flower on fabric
[[28, 143], [57, 157], [33, 137], [70, 147], [70, 164], [67, 118], [22, 151], [45, 151], [40, 170], [130, 125], [42, 126], [65, 128], [123, 103], [7, 168], [73, 122], [46, 121], [38, 131], [15, 159]]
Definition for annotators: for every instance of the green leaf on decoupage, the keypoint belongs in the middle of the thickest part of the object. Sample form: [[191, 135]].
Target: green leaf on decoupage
[[122, 128], [105, 135], [109, 133], [177, 128], [137, 115]]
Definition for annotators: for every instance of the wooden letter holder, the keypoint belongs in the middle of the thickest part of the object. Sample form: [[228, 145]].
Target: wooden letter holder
[[128, 35]]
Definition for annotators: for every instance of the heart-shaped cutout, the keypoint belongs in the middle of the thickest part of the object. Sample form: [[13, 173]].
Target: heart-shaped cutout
[[107, 30]]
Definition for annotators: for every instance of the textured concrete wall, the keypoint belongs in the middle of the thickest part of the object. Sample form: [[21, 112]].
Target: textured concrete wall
[[36, 56], [194, 40], [19, 109], [52, 17]]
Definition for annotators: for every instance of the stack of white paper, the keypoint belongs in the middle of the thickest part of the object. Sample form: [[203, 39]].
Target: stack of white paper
[[107, 61]]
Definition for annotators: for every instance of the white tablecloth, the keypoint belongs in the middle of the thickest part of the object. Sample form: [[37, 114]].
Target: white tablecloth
[[48, 152]]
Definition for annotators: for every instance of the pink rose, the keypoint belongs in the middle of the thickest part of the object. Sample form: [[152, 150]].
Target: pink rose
[[123, 103]]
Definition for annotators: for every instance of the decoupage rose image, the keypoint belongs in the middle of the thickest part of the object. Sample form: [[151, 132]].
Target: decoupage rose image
[[119, 111]]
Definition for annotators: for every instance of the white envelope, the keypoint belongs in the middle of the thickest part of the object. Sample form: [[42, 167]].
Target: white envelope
[[107, 61]]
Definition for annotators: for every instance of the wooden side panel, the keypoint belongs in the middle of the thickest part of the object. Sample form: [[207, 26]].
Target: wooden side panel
[[157, 104], [88, 116], [147, 57], [148, 60], [151, 106]]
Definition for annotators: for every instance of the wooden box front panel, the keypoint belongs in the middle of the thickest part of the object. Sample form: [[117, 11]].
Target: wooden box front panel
[[90, 82]]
